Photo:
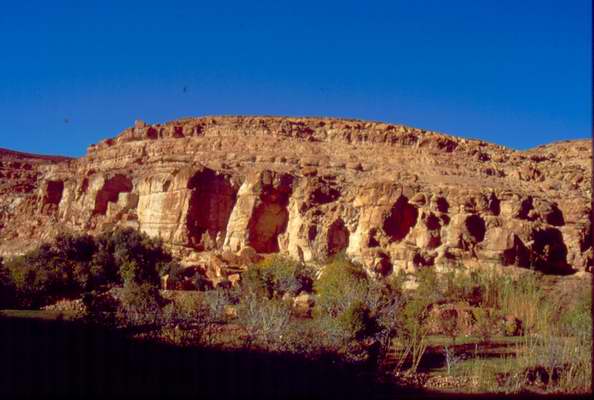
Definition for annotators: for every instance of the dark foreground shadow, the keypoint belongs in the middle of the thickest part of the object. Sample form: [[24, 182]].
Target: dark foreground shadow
[[59, 358]]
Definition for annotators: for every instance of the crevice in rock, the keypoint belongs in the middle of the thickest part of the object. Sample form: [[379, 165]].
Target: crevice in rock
[[586, 239], [338, 237], [84, 186], [400, 220], [312, 232], [110, 192], [211, 202]]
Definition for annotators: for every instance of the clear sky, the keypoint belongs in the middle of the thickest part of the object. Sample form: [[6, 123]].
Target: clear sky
[[513, 72]]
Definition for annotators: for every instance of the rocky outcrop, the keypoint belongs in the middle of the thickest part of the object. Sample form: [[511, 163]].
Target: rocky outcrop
[[390, 196]]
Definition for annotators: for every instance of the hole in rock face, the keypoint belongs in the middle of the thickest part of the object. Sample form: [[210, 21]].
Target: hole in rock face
[[338, 237], [110, 192], [476, 228], [442, 205], [432, 222], [555, 217], [525, 207], [423, 260], [402, 217], [312, 232], [549, 252], [383, 265], [494, 204], [373, 242], [518, 254], [84, 186], [53, 194], [212, 200], [324, 194], [269, 220], [586, 240]]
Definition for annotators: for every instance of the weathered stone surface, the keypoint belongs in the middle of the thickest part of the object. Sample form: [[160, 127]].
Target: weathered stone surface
[[390, 196]]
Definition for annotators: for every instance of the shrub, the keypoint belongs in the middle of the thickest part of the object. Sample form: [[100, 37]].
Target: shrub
[[486, 323], [279, 275], [576, 319], [264, 319], [7, 289], [340, 285], [413, 330], [72, 264], [216, 301], [449, 323], [141, 304]]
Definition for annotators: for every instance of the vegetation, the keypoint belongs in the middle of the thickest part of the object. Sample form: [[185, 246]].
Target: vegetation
[[75, 264], [350, 315]]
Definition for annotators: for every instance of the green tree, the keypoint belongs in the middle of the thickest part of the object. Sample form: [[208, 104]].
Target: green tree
[[7, 289]]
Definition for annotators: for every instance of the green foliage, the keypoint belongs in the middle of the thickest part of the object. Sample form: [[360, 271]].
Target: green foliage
[[265, 320], [141, 257], [340, 285], [279, 275], [141, 304], [72, 264], [576, 321], [216, 301], [7, 289], [485, 323], [413, 330]]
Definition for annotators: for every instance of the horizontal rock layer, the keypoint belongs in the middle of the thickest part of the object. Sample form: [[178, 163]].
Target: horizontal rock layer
[[392, 197]]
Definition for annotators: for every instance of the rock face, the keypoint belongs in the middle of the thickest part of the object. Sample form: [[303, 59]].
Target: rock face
[[390, 196]]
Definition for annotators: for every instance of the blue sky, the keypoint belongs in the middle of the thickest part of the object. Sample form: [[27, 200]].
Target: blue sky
[[517, 73]]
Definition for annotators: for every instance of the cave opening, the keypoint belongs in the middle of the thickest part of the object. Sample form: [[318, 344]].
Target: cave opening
[[110, 192], [54, 192], [442, 205], [211, 202], [549, 252], [338, 237], [475, 226], [400, 220], [518, 254], [268, 220]]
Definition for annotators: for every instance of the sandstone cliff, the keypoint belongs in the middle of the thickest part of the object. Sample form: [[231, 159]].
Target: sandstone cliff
[[393, 197]]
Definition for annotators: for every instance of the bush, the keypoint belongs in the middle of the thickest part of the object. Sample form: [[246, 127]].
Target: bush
[[486, 323], [413, 330], [265, 320], [7, 289], [141, 304], [73, 264], [576, 320], [340, 285]]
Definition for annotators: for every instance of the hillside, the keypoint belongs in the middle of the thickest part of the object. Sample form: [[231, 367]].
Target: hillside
[[392, 197]]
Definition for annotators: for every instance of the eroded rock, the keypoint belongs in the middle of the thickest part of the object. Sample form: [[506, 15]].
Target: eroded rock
[[391, 197]]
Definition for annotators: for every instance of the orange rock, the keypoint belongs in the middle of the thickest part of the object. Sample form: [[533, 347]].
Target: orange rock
[[390, 196]]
